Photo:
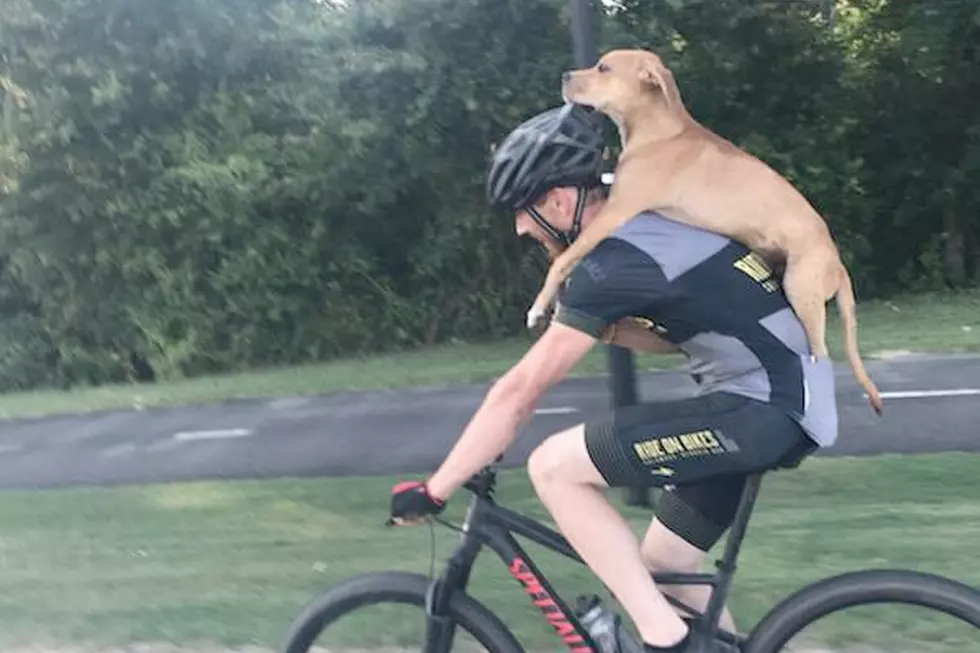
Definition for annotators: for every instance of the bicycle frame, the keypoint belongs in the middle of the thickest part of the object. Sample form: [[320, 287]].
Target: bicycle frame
[[491, 525]]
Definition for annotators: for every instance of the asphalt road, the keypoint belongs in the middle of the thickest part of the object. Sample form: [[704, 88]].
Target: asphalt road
[[932, 404]]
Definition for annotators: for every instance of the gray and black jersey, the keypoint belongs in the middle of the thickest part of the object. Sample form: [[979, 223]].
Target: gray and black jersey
[[715, 299]]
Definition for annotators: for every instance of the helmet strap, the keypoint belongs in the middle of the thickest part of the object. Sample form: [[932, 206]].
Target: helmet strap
[[577, 220], [560, 236], [566, 238]]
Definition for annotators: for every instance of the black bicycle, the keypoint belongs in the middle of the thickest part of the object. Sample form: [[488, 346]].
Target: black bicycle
[[448, 606]]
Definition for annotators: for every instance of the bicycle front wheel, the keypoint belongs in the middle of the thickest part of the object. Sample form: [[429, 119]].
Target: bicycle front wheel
[[385, 612], [947, 617]]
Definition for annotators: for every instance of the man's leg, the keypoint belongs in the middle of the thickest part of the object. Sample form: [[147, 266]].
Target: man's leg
[[690, 520], [693, 444], [569, 485], [665, 551]]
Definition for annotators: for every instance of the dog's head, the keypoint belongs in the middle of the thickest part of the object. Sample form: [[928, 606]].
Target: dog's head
[[621, 82]]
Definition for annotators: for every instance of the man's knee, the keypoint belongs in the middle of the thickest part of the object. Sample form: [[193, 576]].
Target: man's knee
[[545, 463], [539, 468], [563, 458]]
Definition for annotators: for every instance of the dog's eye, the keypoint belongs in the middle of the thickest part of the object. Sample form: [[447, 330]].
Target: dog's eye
[[603, 68]]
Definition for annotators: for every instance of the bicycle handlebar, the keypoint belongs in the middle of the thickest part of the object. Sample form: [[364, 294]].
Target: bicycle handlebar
[[483, 481]]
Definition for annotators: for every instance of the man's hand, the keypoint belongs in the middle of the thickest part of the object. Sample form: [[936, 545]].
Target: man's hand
[[411, 503], [630, 334]]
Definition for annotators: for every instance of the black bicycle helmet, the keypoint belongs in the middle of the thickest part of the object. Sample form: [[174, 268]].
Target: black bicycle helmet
[[558, 147]]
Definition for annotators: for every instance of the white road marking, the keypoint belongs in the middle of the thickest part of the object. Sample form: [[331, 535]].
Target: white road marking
[[561, 410], [217, 434], [287, 403], [914, 394]]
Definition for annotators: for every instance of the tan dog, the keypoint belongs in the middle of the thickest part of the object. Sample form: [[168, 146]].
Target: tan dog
[[672, 164]]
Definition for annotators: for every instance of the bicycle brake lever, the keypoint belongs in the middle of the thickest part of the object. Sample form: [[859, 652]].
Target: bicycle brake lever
[[390, 522]]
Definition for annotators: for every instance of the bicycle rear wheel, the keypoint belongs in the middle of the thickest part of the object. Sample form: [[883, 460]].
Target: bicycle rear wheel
[[940, 595], [388, 589]]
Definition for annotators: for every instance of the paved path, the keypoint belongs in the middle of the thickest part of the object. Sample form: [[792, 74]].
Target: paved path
[[932, 404]]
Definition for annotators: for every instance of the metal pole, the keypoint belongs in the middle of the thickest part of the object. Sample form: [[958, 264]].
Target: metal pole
[[828, 10], [584, 33], [622, 365]]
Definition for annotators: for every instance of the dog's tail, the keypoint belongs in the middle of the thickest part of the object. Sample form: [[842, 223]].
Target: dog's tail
[[848, 311]]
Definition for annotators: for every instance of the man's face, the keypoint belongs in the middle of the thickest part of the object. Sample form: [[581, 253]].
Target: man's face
[[557, 207]]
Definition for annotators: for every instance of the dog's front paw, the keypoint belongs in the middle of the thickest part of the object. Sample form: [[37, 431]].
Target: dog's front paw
[[534, 316], [546, 296]]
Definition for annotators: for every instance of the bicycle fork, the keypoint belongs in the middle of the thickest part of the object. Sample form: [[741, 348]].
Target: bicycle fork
[[440, 627]]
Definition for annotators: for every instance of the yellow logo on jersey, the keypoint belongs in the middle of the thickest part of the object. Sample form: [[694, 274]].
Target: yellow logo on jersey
[[758, 270]]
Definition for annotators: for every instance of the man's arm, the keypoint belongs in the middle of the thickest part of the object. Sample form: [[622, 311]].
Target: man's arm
[[618, 281], [508, 404]]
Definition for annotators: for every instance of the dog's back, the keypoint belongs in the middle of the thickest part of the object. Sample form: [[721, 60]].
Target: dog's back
[[716, 185]]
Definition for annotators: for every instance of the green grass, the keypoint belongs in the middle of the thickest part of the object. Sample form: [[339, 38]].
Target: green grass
[[233, 562], [920, 323]]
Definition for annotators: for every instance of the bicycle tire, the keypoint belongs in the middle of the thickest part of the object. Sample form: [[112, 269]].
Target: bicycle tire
[[797, 611], [379, 587]]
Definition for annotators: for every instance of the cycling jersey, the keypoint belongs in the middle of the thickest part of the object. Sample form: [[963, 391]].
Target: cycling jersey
[[719, 302]]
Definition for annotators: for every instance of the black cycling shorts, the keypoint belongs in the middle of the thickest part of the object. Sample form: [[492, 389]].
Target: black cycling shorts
[[701, 449]]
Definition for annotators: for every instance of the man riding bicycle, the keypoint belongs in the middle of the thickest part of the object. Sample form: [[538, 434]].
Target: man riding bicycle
[[655, 285]]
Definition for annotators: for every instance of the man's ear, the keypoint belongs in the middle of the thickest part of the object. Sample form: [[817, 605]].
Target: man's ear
[[568, 200], [654, 73]]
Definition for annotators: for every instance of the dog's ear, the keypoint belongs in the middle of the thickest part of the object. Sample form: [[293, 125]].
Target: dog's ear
[[654, 73]]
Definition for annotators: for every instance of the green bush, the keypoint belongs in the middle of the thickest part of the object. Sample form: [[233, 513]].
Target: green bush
[[190, 187]]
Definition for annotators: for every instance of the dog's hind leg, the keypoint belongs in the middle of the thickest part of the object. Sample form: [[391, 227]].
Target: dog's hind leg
[[806, 286]]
